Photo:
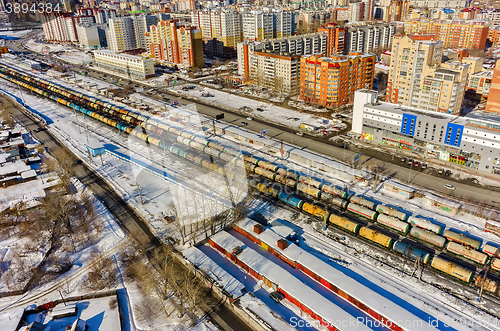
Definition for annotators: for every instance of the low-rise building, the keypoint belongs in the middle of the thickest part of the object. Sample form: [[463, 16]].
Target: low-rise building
[[471, 141], [131, 65]]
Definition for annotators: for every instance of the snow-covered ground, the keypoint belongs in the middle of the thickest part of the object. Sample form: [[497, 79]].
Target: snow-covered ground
[[18, 33], [271, 113], [50, 48], [76, 57]]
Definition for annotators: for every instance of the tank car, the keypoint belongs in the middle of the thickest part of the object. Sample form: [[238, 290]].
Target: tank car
[[452, 269], [411, 252], [467, 252], [391, 212], [362, 211], [393, 223], [461, 238], [428, 237], [424, 224], [376, 237]]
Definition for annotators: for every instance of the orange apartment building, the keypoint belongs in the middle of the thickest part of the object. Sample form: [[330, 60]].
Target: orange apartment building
[[453, 33], [336, 38], [493, 103], [332, 81], [168, 42]]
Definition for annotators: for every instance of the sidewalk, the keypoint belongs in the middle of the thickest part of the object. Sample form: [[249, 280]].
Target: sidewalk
[[430, 161]]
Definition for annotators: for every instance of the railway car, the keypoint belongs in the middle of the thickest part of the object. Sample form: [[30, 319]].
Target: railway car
[[250, 166], [267, 165], [428, 237], [393, 223], [376, 237], [490, 285], [250, 159], [318, 211], [490, 250], [310, 181], [309, 190], [452, 269], [461, 238], [424, 224], [288, 173], [362, 211], [467, 252], [391, 212], [266, 173], [286, 181], [495, 264], [291, 200], [411, 252], [334, 199], [273, 191], [344, 223], [334, 190], [362, 201]]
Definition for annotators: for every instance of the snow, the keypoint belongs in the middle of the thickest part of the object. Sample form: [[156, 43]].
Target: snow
[[18, 34], [218, 275], [95, 312], [76, 57], [256, 307], [442, 201], [271, 113], [22, 192], [38, 47], [395, 309]]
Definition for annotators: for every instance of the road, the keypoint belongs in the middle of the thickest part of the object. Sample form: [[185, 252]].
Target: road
[[123, 213], [416, 176]]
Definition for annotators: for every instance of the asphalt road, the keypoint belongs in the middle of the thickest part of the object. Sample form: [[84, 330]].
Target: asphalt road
[[124, 214], [416, 176]]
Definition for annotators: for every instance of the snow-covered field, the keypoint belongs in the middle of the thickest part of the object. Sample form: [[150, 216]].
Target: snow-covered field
[[272, 113], [18, 34], [76, 57]]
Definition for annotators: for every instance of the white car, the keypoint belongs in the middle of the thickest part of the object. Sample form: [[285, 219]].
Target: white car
[[299, 134], [449, 186], [249, 118]]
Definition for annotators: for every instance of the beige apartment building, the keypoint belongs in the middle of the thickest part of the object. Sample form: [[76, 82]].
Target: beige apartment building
[[417, 78], [131, 65], [278, 71]]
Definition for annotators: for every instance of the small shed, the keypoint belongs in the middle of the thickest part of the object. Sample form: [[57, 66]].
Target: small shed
[[400, 189], [64, 311], [95, 149]]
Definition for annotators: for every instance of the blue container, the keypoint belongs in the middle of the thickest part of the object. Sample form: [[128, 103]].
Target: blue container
[[411, 252], [283, 197], [296, 202]]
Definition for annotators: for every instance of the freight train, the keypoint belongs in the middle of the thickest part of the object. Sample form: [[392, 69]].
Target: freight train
[[451, 246], [419, 229]]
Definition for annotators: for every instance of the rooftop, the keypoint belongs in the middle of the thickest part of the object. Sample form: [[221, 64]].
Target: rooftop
[[128, 56]]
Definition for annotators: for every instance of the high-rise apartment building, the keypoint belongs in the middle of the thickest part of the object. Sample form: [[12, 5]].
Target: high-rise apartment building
[[417, 78], [62, 27], [142, 24], [398, 10], [453, 33], [369, 9], [91, 35], [306, 44], [336, 39], [365, 38], [278, 71], [284, 23], [221, 30], [169, 42], [332, 81], [357, 11], [121, 34], [493, 103], [257, 25]]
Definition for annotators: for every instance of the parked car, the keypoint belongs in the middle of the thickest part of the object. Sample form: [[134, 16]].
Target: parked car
[[249, 118], [410, 161], [447, 172], [244, 123], [403, 159], [260, 109], [449, 186], [416, 163], [277, 296], [440, 171], [299, 134], [424, 166]]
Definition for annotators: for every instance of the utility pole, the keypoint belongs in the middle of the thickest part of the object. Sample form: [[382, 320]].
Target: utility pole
[[77, 124], [213, 121], [282, 151], [140, 195], [21, 92], [409, 175]]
